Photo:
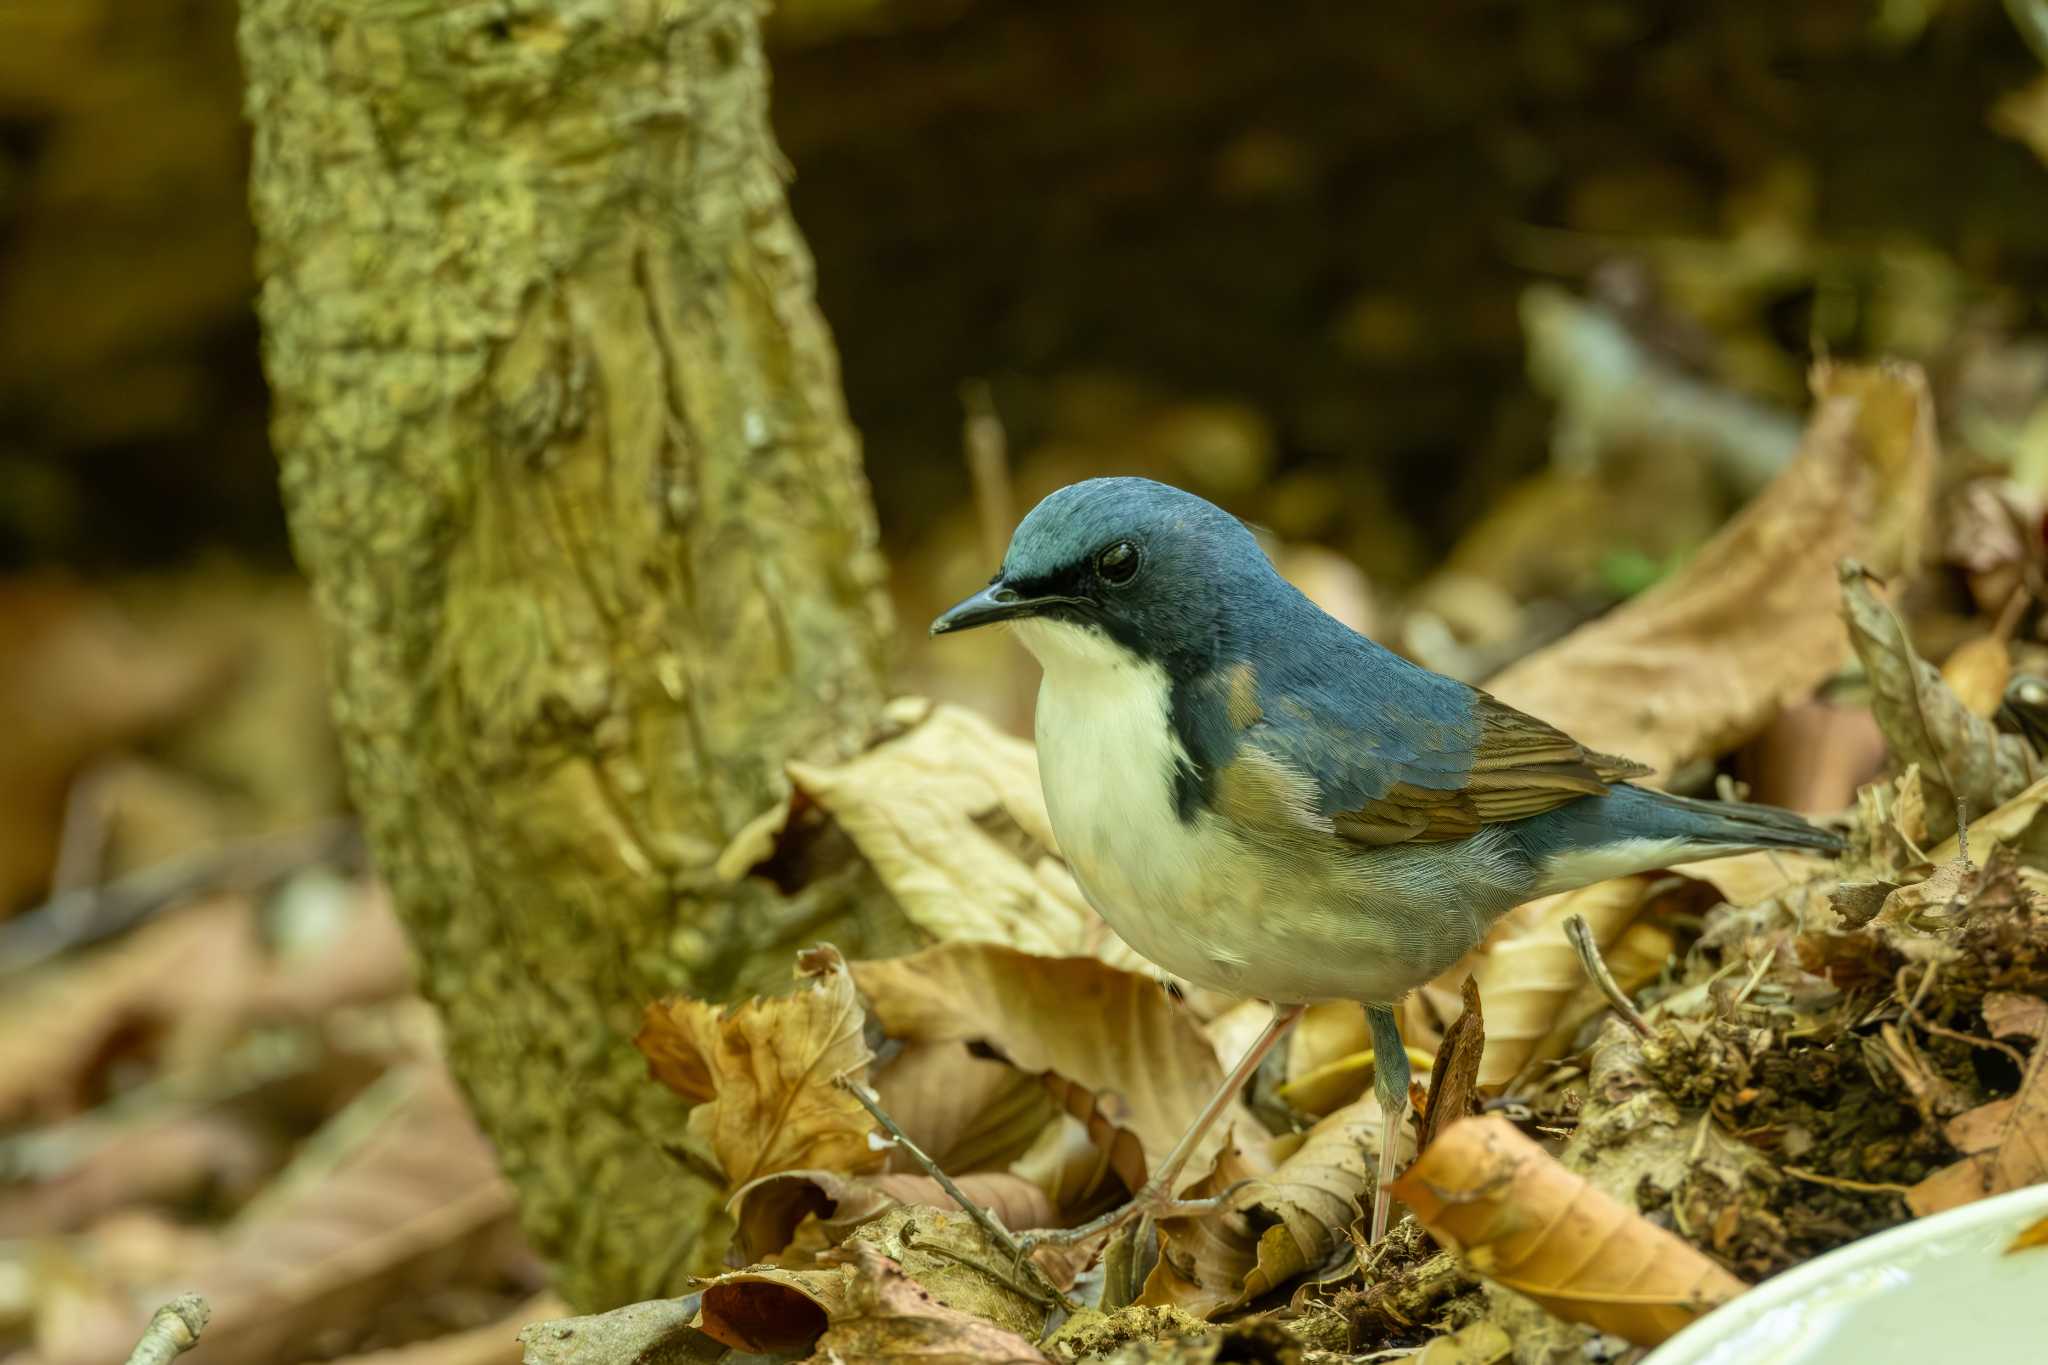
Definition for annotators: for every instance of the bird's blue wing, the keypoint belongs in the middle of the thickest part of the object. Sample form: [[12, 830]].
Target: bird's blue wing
[[1386, 752]]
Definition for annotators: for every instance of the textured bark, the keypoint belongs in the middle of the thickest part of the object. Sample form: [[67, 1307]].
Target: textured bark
[[564, 455]]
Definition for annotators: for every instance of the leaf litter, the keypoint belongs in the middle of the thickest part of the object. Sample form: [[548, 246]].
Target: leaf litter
[[1809, 1074], [1833, 1047]]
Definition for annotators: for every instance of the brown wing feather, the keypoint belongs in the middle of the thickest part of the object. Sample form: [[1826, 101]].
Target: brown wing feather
[[1522, 767]]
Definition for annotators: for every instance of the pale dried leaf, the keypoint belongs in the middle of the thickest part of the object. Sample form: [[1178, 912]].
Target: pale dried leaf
[[1327, 1033], [766, 1073], [1700, 662], [950, 814], [889, 1317], [1528, 978], [1515, 1214], [1110, 1031]]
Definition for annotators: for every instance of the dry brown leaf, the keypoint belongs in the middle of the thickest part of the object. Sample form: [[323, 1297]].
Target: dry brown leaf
[[950, 814], [494, 1343], [765, 1310], [889, 1317], [769, 1211], [766, 1074], [417, 1202], [1112, 1032], [965, 1112], [1278, 1226], [1960, 755], [1454, 1079], [2005, 1142], [1699, 663], [1516, 1215], [1528, 977]]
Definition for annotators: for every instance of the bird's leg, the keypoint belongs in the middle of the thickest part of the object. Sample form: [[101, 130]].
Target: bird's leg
[[1156, 1198], [1390, 1073]]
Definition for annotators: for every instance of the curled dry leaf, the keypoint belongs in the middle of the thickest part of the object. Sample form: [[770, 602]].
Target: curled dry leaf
[[2004, 1143], [949, 812], [889, 1317], [770, 1310], [1707, 657], [1960, 754], [1529, 976], [770, 1211], [1278, 1226], [766, 1310], [766, 1074], [1111, 1032], [1516, 1215]]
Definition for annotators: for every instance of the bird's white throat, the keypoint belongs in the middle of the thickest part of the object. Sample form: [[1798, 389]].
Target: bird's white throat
[[1107, 753]]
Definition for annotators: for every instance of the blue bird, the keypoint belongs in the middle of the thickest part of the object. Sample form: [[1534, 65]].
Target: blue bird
[[1264, 802]]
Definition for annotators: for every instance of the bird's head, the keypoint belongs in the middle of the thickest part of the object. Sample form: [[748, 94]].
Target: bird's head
[[1115, 567]]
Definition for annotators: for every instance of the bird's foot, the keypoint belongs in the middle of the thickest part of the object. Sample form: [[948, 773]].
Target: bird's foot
[[1149, 1202]]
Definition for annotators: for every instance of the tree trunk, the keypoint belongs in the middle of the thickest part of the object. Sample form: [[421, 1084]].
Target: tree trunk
[[565, 457]]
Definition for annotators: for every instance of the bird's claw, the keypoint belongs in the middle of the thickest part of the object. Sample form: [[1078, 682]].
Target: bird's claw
[[1149, 1202]]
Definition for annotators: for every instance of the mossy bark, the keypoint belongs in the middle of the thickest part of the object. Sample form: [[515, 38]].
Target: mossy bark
[[565, 457]]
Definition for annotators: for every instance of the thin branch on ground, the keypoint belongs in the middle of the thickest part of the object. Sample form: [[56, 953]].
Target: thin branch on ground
[[1581, 936], [983, 1219], [173, 1330]]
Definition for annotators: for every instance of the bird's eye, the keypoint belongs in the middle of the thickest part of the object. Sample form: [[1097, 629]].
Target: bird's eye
[[1118, 564]]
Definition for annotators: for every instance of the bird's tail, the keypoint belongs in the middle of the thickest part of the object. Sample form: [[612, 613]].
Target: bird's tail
[[1633, 829]]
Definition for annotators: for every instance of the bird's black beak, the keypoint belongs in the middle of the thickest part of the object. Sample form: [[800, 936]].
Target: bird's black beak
[[996, 602]]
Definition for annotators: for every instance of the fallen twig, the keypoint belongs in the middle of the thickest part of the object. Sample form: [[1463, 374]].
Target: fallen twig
[[1581, 935], [172, 1331], [997, 1233]]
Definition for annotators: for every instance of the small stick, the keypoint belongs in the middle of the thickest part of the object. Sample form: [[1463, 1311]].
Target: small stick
[[1581, 936], [173, 1330], [997, 1233]]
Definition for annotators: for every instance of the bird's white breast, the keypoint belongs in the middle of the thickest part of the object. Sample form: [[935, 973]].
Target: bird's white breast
[[1214, 904], [1107, 754]]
